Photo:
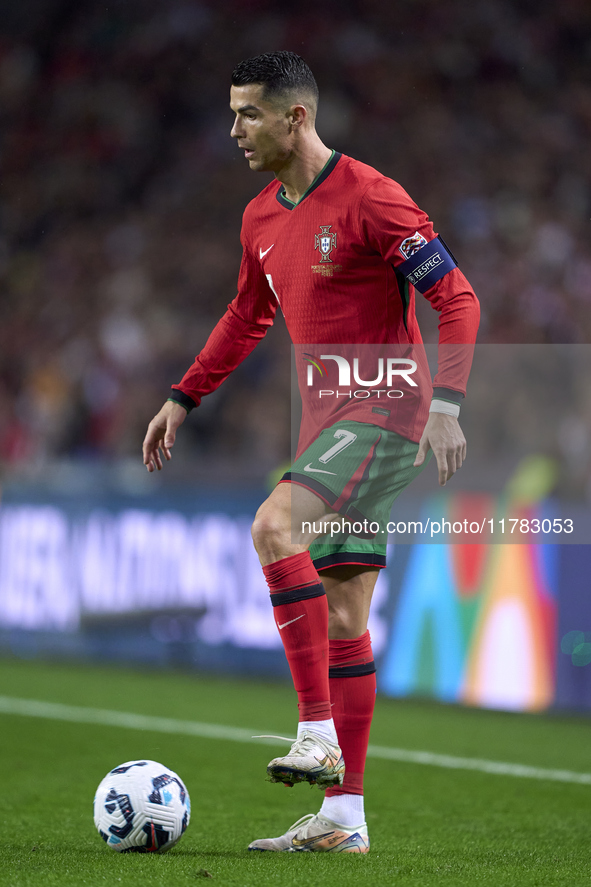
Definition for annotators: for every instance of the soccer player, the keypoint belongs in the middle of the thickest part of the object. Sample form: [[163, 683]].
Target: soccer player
[[341, 249]]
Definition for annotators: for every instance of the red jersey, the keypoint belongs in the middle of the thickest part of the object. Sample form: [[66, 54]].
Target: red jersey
[[337, 263]]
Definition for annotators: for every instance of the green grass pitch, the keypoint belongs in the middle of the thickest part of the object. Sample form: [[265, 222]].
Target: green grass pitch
[[428, 825]]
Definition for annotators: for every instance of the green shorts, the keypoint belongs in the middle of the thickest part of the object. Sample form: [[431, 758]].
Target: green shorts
[[358, 470]]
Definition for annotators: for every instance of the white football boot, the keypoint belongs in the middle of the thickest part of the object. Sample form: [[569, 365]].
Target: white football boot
[[315, 833], [311, 759]]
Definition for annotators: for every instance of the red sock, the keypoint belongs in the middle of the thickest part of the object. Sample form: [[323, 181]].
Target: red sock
[[301, 614], [353, 694]]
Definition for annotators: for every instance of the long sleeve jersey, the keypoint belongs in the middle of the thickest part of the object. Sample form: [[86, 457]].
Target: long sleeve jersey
[[343, 264]]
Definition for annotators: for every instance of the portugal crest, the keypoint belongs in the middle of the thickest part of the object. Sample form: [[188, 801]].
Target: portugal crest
[[325, 242]]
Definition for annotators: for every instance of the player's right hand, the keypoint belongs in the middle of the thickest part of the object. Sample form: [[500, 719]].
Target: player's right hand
[[161, 434]]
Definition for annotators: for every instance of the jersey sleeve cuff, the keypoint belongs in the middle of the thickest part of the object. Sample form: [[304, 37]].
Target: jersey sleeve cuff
[[448, 394], [178, 396], [446, 400]]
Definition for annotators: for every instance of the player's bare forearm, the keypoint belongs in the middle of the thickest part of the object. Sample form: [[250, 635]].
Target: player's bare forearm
[[161, 435], [444, 436]]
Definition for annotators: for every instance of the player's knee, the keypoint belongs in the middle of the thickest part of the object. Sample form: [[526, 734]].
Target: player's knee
[[345, 621], [269, 529], [341, 624]]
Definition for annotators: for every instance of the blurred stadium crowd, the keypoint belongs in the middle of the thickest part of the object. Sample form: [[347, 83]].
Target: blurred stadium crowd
[[123, 194]]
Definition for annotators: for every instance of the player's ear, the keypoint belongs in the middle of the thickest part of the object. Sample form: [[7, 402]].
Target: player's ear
[[297, 115]]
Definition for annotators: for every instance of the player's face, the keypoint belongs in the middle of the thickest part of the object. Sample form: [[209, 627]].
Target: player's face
[[261, 128]]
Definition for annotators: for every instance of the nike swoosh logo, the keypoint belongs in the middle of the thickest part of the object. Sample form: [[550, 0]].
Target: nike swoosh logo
[[300, 842], [290, 621], [319, 470], [263, 254]]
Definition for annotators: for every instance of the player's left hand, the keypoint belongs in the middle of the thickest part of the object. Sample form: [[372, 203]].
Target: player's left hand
[[444, 436], [161, 434]]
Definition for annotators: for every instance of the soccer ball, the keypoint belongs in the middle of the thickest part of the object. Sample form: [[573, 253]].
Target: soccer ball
[[141, 807]]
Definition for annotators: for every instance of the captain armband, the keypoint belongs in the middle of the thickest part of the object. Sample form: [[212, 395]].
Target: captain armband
[[428, 265]]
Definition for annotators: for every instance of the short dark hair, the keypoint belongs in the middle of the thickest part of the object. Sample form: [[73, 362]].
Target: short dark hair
[[279, 73]]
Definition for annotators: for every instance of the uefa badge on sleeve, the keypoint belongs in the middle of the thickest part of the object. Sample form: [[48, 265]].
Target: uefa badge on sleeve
[[412, 245]]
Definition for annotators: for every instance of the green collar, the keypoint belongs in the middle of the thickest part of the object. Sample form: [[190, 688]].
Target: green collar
[[322, 175]]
